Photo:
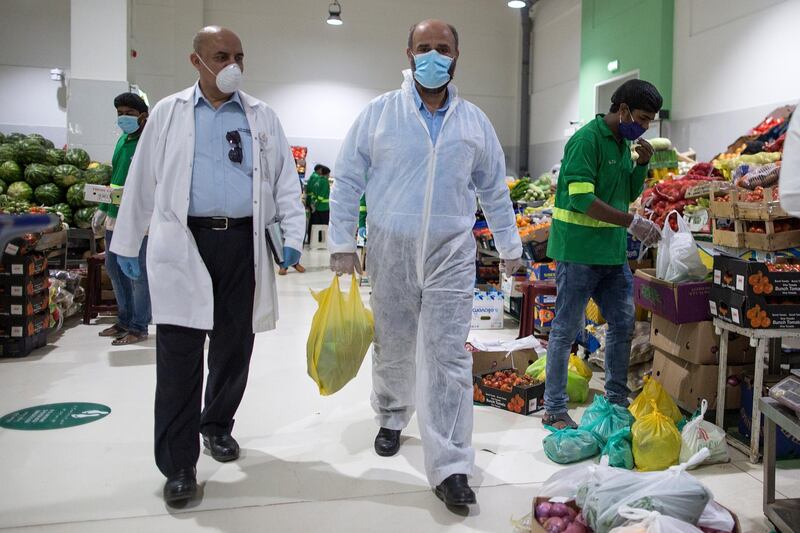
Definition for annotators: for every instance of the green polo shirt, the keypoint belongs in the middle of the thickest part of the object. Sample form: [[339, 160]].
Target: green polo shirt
[[318, 190], [120, 163], [595, 165]]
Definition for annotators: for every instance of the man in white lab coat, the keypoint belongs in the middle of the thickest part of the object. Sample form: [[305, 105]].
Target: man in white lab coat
[[423, 155], [212, 171]]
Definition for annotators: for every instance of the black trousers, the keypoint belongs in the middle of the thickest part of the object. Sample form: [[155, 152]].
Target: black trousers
[[179, 421], [317, 218]]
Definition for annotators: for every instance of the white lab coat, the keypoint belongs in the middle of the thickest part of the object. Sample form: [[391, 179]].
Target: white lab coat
[[790, 168], [156, 195]]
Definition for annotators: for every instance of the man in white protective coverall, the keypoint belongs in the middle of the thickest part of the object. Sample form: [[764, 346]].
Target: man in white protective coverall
[[422, 154]]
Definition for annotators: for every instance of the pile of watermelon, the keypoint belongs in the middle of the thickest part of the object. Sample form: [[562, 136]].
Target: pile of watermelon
[[34, 174]]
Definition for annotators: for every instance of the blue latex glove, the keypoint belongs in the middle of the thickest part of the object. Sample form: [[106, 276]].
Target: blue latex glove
[[290, 257], [129, 266]]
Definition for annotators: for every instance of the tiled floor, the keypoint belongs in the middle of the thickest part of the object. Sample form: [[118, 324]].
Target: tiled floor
[[307, 465]]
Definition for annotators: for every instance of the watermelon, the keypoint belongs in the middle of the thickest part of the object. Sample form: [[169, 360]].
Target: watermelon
[[78, 157], [2, 138], [54, 157], [31, 151], [48, 194], [64, 210], [20, 191], [98, 175], [3, 187], [15, 137], [10, 172], [75, 196], [65, 176], [47, 143], [83, 217], [38, 174], [8, 152]]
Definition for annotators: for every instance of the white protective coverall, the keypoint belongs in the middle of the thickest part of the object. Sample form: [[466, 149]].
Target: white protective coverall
[[422, 203], [790, 168]]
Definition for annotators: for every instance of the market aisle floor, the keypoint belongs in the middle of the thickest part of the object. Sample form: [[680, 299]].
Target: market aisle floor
[[307, 464]]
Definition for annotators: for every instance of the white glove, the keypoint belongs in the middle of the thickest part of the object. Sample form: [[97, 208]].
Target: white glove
[[511, 266], [345, 263], [645, 230], [98, 222]]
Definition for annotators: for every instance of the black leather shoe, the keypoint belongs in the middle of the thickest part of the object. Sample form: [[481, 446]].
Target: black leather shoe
[[180, 487], [387, 443], [455, 491], [223, 448]]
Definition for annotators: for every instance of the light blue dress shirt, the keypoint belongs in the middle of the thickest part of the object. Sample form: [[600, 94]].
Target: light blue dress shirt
[[433, 120], [220, 187]]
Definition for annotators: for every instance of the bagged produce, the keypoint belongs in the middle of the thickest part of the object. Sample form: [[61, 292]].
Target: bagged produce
[[698, 434], [678, 258], [673, 493], [716, 518], [564, 484], [653, 390], [641, 521], [569, 445], [341, 333], [604, 418], [618, 449], [656, 441], [763, 176], [577, 385]]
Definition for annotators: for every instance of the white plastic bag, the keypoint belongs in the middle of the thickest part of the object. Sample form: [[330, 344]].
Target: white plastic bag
[[699, 434], [678, 258], [564, 484], [716, 517], [674, 493], [642, 521]]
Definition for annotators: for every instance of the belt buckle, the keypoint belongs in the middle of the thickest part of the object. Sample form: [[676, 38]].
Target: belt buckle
[[225, 228]]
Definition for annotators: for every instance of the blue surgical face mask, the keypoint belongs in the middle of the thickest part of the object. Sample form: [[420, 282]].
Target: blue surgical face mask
[[127, 123], [630, 130], [432, 69]]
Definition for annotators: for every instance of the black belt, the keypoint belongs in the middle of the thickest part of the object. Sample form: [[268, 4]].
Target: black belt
[[218, 223]]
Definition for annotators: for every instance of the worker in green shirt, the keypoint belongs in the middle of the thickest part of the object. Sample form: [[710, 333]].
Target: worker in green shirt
[[597, 182], [318, 193], [362, 217], [133, 296]]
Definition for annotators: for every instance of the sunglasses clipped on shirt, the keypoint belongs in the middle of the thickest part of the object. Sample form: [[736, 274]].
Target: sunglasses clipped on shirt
[[235, 140]]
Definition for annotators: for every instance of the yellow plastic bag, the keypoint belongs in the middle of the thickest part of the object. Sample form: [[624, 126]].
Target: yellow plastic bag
[[656, 441], [341, 333], [654, 392], [579, 366], [577, 385]]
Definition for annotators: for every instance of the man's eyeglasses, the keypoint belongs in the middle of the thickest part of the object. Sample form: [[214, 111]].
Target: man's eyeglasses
[[235, 140]]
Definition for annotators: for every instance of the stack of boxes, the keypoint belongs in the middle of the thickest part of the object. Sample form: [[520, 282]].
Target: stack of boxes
[[544, 305], [24, 303], [686, 359]]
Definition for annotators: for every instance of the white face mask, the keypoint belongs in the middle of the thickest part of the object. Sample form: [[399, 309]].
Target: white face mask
[[228, 79]]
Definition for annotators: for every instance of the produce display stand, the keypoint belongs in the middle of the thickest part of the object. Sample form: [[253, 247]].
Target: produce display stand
[[75, 235], [785, 513], [760, 339]]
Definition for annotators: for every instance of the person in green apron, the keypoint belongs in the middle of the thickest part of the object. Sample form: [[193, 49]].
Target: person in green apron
[[318, 192]]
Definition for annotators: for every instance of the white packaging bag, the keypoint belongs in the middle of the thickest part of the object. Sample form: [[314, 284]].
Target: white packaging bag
[[716, 517], [698, 434], [642, 521], [678, 258]]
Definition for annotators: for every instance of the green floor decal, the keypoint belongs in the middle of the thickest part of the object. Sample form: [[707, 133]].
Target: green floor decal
[[54, 416]]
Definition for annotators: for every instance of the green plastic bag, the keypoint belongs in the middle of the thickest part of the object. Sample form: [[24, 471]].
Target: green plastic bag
[[577, 385], [569, 445], [604, 419], [618, 449], [341, 333]]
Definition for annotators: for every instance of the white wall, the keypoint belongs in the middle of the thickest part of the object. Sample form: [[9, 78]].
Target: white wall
[[555, 72], [732, 64], [318, 77], [35, 38]]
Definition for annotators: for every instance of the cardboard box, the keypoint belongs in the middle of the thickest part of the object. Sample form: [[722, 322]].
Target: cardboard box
[[487, 308], [753, 278], [102, 194], [679, 302], [534, 251], [697, 342], [14, 287], [512, 288], [23, 346], [688, 383], [24, 326], [544, 315], [542, 271], [754, 312], [24, 305], [23, 266], [530, 398]]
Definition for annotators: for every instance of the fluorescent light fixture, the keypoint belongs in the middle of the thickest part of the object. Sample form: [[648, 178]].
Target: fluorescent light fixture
[[56, 74], [517, 4], [335, 14], [613, 66]]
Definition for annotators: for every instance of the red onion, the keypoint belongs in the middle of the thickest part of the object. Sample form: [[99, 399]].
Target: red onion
[[543, 511], [575, 527], [559, 509], [555, 524]]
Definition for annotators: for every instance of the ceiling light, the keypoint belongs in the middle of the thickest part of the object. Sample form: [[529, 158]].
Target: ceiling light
[[517, 4], [335, 14]]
